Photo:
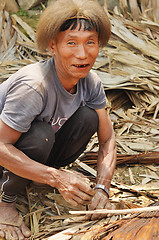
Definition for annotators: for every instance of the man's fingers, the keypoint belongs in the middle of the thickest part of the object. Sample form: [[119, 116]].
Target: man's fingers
[[70, 181], [100, 205], [109, 206], [82, 195], [83, 182], [75, 188], [86, 188], [77, 197], [99, 201], [71, 201], [81, 201], [92, 206]]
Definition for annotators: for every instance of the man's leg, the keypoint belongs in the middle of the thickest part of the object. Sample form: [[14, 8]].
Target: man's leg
[[36, 144], [73, 137], [70, 141]]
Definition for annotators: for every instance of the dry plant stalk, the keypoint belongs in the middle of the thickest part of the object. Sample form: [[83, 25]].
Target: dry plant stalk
[[139, 226], [117, 212]]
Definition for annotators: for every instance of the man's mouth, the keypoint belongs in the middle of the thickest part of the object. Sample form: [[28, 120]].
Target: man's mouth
[[81, 65]]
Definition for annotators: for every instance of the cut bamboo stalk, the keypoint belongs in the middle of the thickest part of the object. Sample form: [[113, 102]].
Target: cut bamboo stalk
[[117, 212]]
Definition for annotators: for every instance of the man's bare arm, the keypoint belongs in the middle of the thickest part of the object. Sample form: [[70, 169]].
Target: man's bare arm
[[105, 164], [73, 187], [107, 149]]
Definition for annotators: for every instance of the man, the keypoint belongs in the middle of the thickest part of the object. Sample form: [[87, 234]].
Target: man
[[49, 111]]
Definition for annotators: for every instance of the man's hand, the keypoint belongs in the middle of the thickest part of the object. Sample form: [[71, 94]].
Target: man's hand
[[74, 187], [99, 201]]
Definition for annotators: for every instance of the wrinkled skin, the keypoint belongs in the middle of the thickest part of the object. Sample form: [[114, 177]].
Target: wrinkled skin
[[10, 214], [99, 201], [74, 187], [74, 54]]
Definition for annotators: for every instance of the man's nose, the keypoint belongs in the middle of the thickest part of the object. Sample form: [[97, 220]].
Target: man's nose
[[81, 52]]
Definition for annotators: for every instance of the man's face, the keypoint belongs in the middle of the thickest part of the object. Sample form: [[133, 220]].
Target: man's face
[[75, 52]]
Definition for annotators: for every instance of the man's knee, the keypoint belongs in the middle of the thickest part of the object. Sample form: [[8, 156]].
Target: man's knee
[[88, 118], [37, 142]]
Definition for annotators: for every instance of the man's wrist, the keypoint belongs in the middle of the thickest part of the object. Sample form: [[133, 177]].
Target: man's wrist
[[52, 177], [103, 187]]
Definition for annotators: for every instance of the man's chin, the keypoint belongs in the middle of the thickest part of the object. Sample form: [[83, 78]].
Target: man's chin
[[81, 74]]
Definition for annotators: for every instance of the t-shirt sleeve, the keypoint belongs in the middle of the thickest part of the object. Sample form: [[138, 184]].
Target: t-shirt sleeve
[[23, 103], [96, 97]]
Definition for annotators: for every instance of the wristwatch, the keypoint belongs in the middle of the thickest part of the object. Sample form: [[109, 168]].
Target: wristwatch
[[100, 186]]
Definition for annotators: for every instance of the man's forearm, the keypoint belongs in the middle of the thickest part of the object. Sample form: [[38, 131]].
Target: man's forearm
[[17, 162], [106, 162]]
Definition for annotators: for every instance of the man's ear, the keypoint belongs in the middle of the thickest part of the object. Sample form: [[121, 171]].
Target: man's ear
[[51, 47]]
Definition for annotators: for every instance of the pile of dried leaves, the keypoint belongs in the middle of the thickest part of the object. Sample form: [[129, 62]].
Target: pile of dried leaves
[[129, 69]]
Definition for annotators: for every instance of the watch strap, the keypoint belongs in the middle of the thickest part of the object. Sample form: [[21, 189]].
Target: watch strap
[[103, 187]]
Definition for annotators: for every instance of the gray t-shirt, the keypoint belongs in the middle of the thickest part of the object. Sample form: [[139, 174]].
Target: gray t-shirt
[[35, 92]]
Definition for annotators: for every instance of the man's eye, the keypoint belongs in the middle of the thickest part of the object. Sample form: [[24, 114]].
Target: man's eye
[[71, 43], [91, 42]]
